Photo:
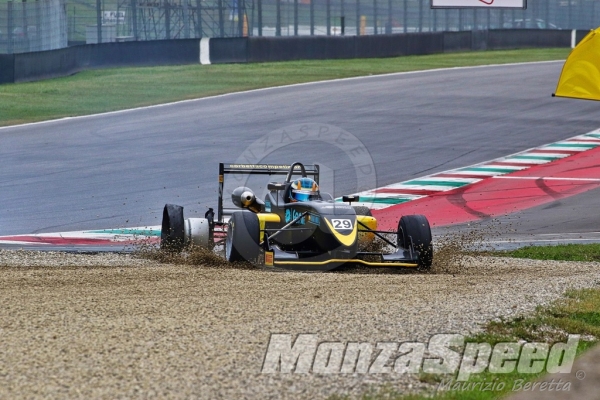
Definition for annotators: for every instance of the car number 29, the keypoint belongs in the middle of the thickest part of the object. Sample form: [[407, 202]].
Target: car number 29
[[342, 223]]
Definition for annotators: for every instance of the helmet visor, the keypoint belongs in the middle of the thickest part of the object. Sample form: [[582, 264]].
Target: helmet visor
[[301, 196]]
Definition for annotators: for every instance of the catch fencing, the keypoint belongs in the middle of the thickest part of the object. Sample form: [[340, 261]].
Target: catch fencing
[[172, 19], [32, 25]]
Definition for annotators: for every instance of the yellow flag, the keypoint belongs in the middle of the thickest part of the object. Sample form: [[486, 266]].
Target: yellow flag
[[580, 77]]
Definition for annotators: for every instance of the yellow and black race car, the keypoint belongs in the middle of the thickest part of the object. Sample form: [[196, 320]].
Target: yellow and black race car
[[297, 226]]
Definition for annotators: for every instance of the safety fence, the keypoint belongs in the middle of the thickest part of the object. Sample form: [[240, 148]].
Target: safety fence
[[33, 25], [54, 63], [172, 19]]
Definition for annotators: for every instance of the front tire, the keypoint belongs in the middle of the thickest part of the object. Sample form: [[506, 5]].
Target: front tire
[[243, 234], [172, 232], [362, 210], [416, 227]]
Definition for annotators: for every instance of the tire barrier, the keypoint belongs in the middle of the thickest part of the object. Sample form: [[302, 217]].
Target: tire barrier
[[25, 67]]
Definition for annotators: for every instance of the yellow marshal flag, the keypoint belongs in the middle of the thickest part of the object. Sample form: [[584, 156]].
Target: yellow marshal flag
[[580, 77]]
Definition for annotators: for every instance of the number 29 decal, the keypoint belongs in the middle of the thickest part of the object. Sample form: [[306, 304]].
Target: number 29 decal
[[341, 224]]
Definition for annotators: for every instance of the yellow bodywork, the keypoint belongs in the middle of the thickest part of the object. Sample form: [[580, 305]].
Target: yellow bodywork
[[346, 240], [369, 222], [263, 218], [363, 237], [580, 77], [343, 261]]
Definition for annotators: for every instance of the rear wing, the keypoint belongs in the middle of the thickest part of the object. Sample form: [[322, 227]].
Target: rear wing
[[256, 169]]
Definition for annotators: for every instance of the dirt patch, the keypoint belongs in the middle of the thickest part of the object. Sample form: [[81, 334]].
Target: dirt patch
[[106, 326]]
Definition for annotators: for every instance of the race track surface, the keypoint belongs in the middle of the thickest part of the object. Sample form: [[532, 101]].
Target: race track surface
[[118, 170]]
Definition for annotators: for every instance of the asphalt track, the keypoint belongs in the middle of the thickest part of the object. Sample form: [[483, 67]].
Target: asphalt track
[[118, 170]]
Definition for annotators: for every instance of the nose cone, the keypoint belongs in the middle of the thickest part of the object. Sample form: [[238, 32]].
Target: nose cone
[[343, 228]]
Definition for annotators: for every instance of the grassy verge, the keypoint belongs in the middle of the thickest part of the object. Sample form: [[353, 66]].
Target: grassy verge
[[576, 313], [97, 91], [566, 252]]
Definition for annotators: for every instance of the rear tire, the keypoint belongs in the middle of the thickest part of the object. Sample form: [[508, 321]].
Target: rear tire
[[172, 233], [243, 234], [416, 227]]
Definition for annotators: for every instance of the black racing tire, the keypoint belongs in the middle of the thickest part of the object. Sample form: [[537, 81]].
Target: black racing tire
[[243, 234], [172, 234], [362, 210], [417, 227]]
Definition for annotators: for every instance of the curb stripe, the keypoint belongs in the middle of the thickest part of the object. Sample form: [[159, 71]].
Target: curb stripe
[[377, 199], [572, 144], [447, 181]]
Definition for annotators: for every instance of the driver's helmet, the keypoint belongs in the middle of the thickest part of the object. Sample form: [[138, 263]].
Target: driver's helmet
[[304, 189]]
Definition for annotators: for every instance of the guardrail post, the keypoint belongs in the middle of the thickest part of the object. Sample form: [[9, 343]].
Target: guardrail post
[[358, 17], [221, 19], [375, 17], [25, 24], [259, 10], [186, 19], [405, 15], [99, 21], [312, 17], [342, 18], [295, 17], [388, 27], [420, 16], [278, 22], [9, 27], [241, 11], [199, 16], [167, 19], [328, 16], [38, 24], [134, 26]]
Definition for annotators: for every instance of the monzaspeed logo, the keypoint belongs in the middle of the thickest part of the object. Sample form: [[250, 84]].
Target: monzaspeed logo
[[442, 354]]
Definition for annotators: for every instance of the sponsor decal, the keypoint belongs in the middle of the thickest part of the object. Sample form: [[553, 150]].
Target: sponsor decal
[[314, 219], [291, 215], [269, 258]]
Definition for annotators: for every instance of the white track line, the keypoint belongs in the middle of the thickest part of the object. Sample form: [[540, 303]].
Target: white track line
[[278, 87], [548, 178]]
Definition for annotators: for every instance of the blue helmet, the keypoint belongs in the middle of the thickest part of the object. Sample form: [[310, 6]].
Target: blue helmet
[[304, 189]]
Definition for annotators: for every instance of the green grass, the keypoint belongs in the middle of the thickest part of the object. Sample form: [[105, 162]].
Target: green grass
[[567, 252], [97, 91], [576, 313]]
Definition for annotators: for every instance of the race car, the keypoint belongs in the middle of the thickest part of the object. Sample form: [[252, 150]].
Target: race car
[[297, 226]]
